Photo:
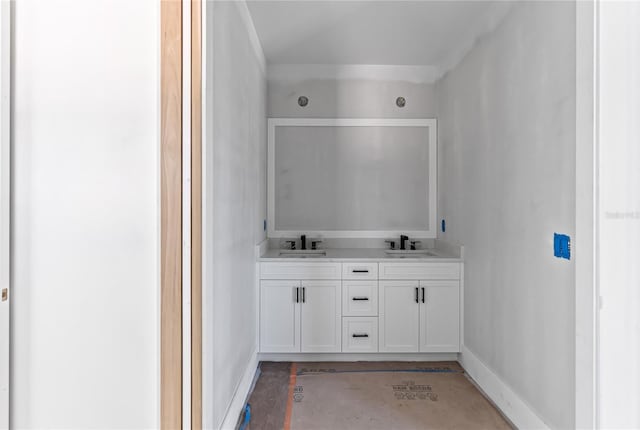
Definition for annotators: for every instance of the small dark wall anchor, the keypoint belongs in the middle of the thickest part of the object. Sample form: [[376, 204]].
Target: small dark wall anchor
[[401, 102], [303, 101]]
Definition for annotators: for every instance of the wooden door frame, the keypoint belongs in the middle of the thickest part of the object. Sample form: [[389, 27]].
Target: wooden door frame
[[172, 98], [171, 214]]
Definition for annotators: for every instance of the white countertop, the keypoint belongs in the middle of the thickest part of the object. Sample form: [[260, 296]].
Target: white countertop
[[363, 254]]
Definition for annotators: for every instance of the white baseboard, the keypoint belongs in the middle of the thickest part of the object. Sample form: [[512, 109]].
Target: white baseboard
[[511, 405], [339, 356], [241, 395]]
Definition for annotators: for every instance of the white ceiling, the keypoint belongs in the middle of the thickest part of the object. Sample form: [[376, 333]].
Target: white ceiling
[[419, 33]]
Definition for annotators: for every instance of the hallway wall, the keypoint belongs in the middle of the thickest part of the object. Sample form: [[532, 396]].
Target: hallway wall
[[350, 98], [234, 181]]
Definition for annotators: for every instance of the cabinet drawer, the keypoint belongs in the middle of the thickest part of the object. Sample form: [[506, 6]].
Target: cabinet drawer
[[356, 271], [360, 298], [359, 334], [420, 271], [300, 270]]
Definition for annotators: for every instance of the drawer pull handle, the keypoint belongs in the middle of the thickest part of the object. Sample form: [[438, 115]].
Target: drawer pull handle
[[360, 335], [360, 270], [360, 299]]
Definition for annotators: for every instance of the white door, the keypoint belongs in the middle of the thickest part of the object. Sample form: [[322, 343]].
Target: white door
[[4, 212], [439, 316], [399, 316], [321, 322], [280, 316]]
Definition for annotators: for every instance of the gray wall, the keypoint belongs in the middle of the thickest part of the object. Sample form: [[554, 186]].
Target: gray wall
[[234, 203], [350, 99], [507, 183], [361, 98]]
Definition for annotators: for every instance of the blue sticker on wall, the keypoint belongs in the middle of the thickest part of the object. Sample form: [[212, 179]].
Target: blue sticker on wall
[[443, 226], [561, 246]]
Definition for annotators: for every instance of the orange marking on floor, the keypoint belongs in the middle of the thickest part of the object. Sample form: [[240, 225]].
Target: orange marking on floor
[[292, 385]]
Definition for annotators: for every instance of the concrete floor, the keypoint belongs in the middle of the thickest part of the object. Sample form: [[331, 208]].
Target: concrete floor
[[369, 395]]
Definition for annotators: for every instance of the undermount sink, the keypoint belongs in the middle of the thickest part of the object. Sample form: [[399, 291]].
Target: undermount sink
[[303, 253], [403, 253]]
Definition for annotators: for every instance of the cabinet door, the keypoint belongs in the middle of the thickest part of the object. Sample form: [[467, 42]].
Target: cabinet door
[[279, 316], [399, 316], [321, 316], [440, 316]]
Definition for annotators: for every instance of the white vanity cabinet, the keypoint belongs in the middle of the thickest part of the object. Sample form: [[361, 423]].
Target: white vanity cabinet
[[370, 307], [300, 315], [419, 315]]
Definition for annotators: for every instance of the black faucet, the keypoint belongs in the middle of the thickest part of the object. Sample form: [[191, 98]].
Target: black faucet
[[403, 239], [303, 241]]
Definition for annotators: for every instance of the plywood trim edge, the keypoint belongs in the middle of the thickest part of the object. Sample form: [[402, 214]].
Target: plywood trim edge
[[171, 214]]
